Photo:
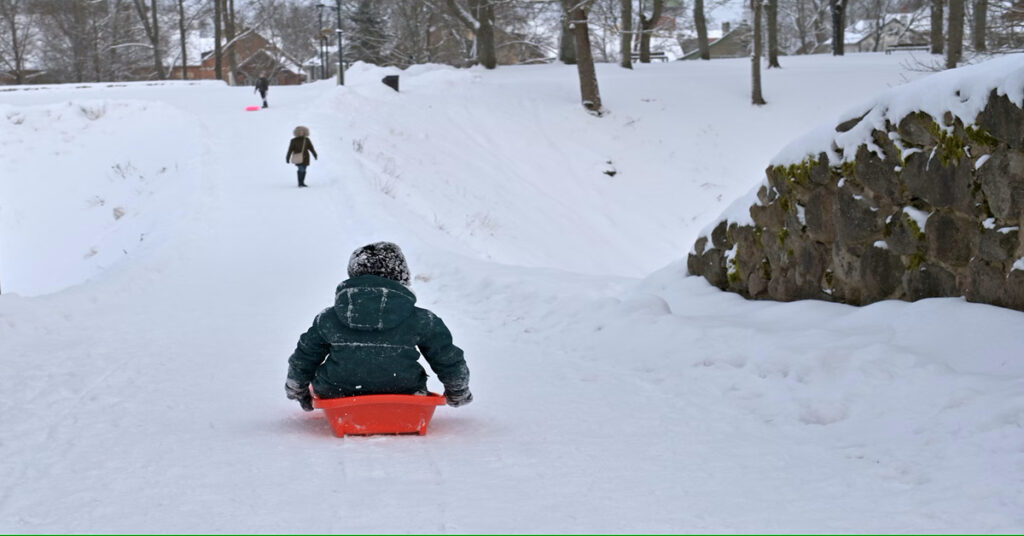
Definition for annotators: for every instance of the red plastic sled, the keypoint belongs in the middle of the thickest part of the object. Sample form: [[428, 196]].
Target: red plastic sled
[[252, 108], [379, 414]]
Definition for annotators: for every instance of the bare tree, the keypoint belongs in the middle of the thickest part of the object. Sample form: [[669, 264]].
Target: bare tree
[[647, 26], [808, 23], [755, 59], [566, 42], [954, 49], [184, 39], [702, 29], [577, 16], [218, 37], [20, 30], [771, 8], [417, 33], [230, 36], [152, 29], [68, 39], [838, 9], [479, 19], [980, 24], [936, 27], [626, 36]]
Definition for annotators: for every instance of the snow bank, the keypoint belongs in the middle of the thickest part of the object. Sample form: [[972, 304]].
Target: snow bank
[[87, 183], [962, 92]]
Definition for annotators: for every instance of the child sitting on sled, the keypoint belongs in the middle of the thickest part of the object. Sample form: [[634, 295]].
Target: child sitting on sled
[[370, 341]]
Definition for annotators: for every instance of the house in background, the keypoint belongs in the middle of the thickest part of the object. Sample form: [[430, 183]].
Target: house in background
[[254, 55], [730, 42], [888, 32], [896, 31]]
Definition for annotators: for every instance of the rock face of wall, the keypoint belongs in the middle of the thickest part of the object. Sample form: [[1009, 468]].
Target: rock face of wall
[[926, 207]]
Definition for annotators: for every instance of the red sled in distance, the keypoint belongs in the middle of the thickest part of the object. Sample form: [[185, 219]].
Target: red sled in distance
[[379, 414], [252, 108]]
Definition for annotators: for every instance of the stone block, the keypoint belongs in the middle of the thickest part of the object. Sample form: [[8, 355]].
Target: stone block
[[929, 281], [1003, 119], [952, 238]]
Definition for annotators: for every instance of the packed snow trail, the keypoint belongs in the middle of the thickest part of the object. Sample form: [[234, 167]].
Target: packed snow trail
[[150, 398]]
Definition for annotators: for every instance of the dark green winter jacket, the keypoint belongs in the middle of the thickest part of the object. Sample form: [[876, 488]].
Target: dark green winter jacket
[[367, 344]]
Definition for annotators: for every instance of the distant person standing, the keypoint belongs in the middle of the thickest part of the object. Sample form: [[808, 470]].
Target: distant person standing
[[262, 85], [298, 152]]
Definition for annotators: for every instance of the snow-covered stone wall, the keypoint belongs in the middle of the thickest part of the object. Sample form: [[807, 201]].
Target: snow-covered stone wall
[[921, 195]]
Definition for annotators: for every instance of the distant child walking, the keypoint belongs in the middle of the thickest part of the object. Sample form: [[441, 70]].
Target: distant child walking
[[298, 152], [262, 86]]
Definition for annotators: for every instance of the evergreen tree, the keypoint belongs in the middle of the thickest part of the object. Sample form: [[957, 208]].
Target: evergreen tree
[[368, 37]]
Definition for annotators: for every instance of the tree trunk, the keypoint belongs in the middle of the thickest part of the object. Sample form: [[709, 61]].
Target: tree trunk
[[485, 51], [702, 29], [955, 47], [158, 60], [980, 21], [772, 11], [152, 29], [181, 32], [755, 58], [113, 30], [78, 41], [229, 34], [647, 26], [936, 33], [589, 92], [567, 43], [479, 20], [878, 34], [626, 38], [218, 51], [838, 8]]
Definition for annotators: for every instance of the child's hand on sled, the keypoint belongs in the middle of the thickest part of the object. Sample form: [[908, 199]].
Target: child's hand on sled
[[294, 391], [458, 397]]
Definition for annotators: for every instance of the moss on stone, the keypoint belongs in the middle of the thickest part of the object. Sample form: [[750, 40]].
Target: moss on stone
[[733, 273], [915, 260], [799, 173], [848, 169], [783, 234], [980, 136], [948, 147], [917, 231]]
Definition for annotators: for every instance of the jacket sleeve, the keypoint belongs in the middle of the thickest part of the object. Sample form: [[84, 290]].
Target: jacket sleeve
[[444, 358], [311, 149], [288, 155], [309, 353]]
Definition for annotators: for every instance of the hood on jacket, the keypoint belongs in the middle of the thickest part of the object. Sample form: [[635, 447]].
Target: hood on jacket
[[372, 303]]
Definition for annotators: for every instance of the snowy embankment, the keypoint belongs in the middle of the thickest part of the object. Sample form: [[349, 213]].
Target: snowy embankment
[[87, 182], [962, 92], [613, 394]]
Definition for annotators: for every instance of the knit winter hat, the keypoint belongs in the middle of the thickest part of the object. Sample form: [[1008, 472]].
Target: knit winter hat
[[300, 131], [383, 259]]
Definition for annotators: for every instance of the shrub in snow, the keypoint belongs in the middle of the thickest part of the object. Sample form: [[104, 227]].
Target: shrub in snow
[[919, 196]]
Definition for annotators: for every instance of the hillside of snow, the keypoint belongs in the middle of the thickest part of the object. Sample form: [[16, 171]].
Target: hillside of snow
[[158, 263]]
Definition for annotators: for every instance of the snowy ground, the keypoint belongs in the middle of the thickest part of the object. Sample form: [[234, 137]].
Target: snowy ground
[[143, 350]]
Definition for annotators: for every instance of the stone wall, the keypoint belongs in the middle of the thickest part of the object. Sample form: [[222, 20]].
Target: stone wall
[[930, 207]]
